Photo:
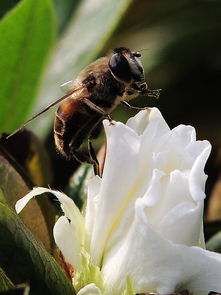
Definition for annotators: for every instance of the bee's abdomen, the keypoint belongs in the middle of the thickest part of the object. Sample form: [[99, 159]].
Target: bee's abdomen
[[73, 123]]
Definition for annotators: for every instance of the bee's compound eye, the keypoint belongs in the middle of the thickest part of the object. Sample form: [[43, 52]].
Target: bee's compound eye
[[120, 68], [136, 69]]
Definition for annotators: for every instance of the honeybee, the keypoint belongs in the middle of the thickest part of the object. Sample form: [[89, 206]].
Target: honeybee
[[91, 97]]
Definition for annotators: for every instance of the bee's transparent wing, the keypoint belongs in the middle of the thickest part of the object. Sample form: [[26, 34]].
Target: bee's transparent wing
[[67, 86], [69, 93]]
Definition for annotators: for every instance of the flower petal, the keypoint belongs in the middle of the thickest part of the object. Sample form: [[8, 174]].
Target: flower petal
[[197, 176], [90, 289], [123, 174], [156, 265], [72, 212], [201, 270], [67, 241], [117, 182], [175, 211], [150, 118], [20, 204], [91, 209], [170, 149], [69, 208]]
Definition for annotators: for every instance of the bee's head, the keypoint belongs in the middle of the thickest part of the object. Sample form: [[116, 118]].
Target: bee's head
[[126, 66]]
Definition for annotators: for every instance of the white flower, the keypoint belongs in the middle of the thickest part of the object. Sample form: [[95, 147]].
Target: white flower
[[142, 231]]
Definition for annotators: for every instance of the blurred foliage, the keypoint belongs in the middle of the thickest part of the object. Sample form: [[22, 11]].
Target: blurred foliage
[[14, 184], [181, 53], [23, 52], [22, 257], [65, 10]]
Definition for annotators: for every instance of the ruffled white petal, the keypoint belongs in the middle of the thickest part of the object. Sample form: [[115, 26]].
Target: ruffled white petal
[[67, 241], [90, 289], [170, 149], [170, 199], [150, 146], [156, 265], [176, 212], [197, 176], [72, 212], [140, 121], [150, 119], [201, 270], [119, 174], [20, 204], [123, 175], [69, 208]]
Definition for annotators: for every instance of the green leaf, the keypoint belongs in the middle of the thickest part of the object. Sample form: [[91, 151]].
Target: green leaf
[[65, 10], [39, 214], [2, 197], [5, 282], [23, 258], [86, 36], [214, 243], [27, 33], [76, 189]]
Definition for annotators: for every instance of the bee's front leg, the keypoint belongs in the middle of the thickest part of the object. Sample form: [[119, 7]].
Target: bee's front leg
[[143, 89], [133, 107], [139, 89]]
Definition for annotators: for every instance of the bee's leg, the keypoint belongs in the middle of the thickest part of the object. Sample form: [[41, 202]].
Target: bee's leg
[[143, 89], [96, 108], [93, 158], [133, 107], [82, 158], [90, 156], [94, 134], [155, 93]]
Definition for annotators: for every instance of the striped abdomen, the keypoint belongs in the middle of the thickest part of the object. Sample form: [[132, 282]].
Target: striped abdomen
[[74, 122]]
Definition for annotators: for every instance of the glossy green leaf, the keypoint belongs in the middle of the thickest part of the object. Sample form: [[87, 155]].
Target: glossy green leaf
[[23, 258], [27, 33], [88, 32]]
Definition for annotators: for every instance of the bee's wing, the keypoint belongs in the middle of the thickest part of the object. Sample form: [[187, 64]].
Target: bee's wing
[[70, 92], [67, 86]]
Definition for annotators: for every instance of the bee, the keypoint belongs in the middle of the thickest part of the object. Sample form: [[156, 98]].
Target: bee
[[91, 97]]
